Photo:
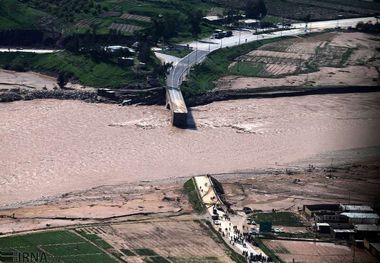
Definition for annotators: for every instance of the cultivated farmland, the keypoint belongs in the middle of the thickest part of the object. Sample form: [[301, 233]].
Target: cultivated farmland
[[320, 10], [136, 17], [292, 56], [65, 246], [155, 241], [125, 28], [314, 252]]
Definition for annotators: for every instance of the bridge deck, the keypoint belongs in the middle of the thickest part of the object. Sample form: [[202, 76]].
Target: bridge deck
[[176, 103]]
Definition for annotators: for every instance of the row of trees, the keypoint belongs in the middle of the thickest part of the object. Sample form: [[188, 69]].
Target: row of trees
[[168, 25], [66, 9], [255, 9], [17, 37]]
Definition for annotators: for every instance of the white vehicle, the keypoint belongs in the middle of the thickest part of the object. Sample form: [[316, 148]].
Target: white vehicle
[[216, 222]]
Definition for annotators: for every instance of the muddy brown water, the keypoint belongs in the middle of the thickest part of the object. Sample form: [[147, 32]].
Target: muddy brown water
[[50, 147]]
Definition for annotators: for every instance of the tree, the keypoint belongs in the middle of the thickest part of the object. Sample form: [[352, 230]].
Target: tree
[[255, 9], [231, 14], [62, 80], [165, 26], [194, 19], [145, 52]]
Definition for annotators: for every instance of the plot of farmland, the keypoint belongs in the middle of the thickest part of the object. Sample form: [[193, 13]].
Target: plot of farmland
[[110, 14], [292, 56], [316, 252], [125, 28], [299, 10], [64, 246], [136, 17], [85, 23], [179, 241]]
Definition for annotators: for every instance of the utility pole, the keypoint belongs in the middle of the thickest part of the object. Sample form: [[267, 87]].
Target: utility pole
[[209, 44], [188, 63], [196, 51], [282, 26]]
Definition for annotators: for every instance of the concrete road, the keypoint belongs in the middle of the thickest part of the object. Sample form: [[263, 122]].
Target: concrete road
[[176, 74], [343, 23], [27, 50], [245, 36]]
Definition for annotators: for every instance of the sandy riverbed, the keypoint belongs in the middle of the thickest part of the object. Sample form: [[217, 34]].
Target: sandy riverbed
[[50, 147]]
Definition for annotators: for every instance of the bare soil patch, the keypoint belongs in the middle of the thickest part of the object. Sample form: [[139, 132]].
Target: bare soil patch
[[334, 59], [180, 240], [11, 80], [301, 251]]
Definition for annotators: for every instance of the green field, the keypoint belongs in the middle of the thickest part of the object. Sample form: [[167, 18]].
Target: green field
[[86, 15], [83, 68], [180, 53], [279, 219], [246, 69], [55, 246], [215, 66], [267, 251], [192, 194], [95, 239]]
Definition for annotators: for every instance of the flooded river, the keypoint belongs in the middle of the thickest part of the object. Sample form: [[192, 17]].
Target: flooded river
[[49, 147]]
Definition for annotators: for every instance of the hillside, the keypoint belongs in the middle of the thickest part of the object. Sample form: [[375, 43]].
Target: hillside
[[16, 15]]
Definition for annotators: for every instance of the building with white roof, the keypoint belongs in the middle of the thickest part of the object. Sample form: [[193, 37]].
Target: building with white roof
[[356, 208], [361, 218]]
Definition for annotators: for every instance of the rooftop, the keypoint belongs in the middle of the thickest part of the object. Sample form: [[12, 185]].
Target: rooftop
[[213, 18], [343, 231], [371, 228], [362, 208], [376, 246], [360, 215], [323, 224], [249, 21]]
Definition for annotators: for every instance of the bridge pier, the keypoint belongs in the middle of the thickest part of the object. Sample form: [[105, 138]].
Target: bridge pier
[[176, 104]]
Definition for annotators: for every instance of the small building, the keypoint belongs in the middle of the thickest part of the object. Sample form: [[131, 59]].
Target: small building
[[214, 19], [320, 209], [361, 218], [323, 228], [366, 231], [249, 23], [342, 233], [342, 230], [356, 208], [329, 217]]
